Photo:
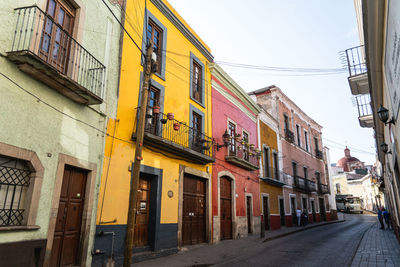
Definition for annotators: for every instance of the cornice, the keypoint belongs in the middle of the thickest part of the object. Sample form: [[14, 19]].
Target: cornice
[[182, 28]]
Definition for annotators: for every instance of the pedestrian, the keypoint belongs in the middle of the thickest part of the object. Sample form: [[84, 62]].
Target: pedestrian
[[380, 218], [304, 218], [298, 215], [386, 216]]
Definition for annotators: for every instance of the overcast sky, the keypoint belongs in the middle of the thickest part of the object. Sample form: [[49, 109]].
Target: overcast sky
[[289, 33]]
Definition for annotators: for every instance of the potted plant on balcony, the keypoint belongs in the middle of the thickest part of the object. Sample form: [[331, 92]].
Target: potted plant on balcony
[[252, 146], [170, 116], [177, 125], [156, 108], [237, 138]]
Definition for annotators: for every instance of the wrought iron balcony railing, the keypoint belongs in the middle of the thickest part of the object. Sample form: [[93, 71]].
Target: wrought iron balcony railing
[[304, 184], [318, 154], [43, 49], [323, 189], [289, 135], [244, 158], [364, 105], [356, 62], [177, 137]]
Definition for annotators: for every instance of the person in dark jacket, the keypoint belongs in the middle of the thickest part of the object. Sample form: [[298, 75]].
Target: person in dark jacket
[[386, 217], [380, 217]]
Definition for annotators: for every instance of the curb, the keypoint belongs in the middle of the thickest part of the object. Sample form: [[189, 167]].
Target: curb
[[300, 230]]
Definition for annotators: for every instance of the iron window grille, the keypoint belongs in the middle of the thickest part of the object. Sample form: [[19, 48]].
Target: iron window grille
[[15, 176]]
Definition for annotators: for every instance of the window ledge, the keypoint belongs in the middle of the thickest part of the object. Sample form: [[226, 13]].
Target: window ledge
[[19, 228], [194, 100]]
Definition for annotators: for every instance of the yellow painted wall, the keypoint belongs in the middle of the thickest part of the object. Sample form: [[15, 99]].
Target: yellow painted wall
[[274, 192], [119, 152]]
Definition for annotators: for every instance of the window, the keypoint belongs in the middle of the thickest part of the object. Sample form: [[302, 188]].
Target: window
[[152, 119], [305, 170], [55, 42], [196, 83], [276, 165], [294, 168], [286, 122], [232, 133], [318, 177], [196, 79], [316, 143], [304, 203], [245, 146], [15, 178], [306, 140], [298, 135], [197, 122], [154, 36], [266, 162]]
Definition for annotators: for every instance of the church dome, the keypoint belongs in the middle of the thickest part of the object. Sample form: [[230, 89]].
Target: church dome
[[346, 160]]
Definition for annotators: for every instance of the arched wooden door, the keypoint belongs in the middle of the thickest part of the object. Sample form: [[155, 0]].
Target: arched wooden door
[[226, 208]]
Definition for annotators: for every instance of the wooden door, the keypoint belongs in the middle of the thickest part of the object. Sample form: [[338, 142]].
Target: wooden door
[[314, 216], [322, 209], [266, 212], [282, 211], [194, 211], [69, 218], [293, 211], [226, 208], [248, 203], [152, 121], [142, 213]]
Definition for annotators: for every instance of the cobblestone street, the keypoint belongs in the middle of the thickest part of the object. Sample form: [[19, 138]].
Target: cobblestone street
[[355, 242]]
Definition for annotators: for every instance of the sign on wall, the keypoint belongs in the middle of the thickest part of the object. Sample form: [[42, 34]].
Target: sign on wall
[[392, 57]]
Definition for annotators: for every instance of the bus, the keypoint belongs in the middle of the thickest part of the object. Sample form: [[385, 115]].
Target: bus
[[348, 203]]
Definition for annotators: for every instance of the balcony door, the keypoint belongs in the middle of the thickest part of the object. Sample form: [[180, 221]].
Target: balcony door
[[56, 34], [152, 120], [197, 132]]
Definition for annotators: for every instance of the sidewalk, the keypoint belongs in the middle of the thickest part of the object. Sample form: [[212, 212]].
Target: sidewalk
[[195, 255], [377, 248]]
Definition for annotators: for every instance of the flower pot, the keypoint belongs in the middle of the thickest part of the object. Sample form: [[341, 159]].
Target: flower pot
[[237, 139], [170, 116], [156, 109], [176, 126], [163, 121], [252, 146]]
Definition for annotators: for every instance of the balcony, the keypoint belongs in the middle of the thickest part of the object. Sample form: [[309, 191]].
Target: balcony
[[43, 50], [304, 184], [279, 180], [242, 158], [289, 135], [323, 189], [365, 116], [177, 138], [318, 154], [357, 66]]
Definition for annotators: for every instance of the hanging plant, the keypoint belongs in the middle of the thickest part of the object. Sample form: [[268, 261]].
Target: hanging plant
[[163, 121], [170, 116], [252, 146], [177, 125], [156, 108]]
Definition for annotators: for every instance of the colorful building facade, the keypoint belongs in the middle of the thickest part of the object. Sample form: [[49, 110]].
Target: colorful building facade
[[235, 185], [303, 162], [174, 202], [271, 182]]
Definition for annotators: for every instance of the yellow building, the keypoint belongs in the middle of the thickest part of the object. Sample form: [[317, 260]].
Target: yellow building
[[175, 191], [271, 182]]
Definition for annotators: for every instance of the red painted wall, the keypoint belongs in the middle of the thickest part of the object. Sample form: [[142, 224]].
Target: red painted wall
[[275, 222], [246, 181]]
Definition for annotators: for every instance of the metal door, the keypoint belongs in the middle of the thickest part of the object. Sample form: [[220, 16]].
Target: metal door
[[69, 218], [194, 211], [282, 211], [142, 213], [266, 213], [248, 201], [226, 208]]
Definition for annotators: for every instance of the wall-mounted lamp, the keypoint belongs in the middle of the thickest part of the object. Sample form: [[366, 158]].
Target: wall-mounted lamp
[[225, 139], [383, 114], [385, 148]]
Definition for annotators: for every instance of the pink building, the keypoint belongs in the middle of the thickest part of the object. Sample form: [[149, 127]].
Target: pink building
[[235, 184], [301, 157]]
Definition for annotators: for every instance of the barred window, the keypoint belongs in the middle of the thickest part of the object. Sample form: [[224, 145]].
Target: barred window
[[15, 176]]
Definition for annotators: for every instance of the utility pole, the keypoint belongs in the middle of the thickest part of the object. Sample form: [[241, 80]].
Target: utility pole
[[138, 158]]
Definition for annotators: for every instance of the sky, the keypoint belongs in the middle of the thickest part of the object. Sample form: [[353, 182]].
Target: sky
[[295, 34]]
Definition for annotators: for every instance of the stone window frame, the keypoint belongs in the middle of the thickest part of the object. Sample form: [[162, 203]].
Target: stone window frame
[[35, 186], [195, 60]]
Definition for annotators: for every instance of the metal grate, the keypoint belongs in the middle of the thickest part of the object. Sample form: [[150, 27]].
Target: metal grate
[[15, 177]]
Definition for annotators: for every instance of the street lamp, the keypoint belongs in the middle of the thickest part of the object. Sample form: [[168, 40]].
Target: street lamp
[[383, 114]]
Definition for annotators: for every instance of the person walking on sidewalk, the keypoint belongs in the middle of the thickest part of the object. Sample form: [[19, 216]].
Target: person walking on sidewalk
[[380, 217], [386, 216], [304, 218], [298, 215]]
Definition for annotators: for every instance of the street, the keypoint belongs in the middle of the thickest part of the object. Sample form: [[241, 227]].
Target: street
[[349, 243]]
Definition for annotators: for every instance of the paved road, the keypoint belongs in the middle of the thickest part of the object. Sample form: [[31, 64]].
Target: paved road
[[330, 245]]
